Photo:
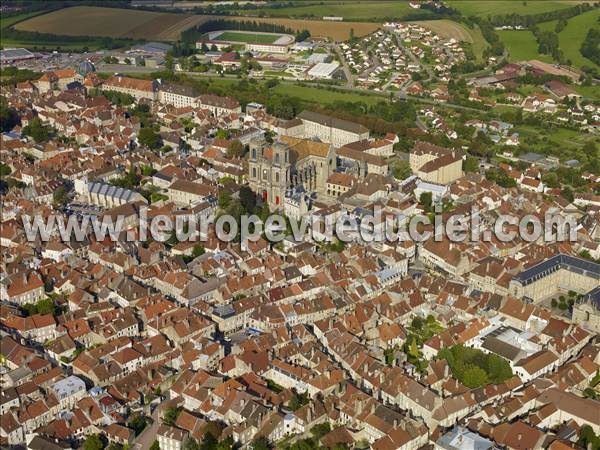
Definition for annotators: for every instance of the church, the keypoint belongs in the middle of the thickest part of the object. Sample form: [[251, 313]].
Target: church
[[274, 169]]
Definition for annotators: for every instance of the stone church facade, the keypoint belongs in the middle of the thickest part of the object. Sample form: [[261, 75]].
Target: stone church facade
[[273, 169]]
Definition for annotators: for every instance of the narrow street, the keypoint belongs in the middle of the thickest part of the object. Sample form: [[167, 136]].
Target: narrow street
[[148, 436]]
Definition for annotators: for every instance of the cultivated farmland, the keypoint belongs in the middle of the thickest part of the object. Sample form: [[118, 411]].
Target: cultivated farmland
[[112, 22], [453, 30], [362, 10], [129, 23]]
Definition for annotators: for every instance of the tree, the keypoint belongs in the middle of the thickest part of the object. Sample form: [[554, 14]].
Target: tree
[[36, 130], [260, 444], [190, 444], [235, 149], [551, 179], [170, 415], [587, 438], [149, 138], [401, 169], [60, 196], [8, 116], [5, 170], [198, 250], [474, 377], [155, 446], [224, 199], [471, 165], [137, 423], [426, 201], [93, 442], [247, 199]]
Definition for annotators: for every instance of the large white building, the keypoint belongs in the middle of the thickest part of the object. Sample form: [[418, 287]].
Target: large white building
[[177, 95], [324, 71], [337, 132], [138, 89]]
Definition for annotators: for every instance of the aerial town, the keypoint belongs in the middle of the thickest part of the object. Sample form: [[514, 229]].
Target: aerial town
[[317, 340]]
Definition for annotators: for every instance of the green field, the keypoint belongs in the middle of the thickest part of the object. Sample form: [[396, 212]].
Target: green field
[[570, 39], [307, 93], [364, 10], [320, 95], [499, 7], [257, 38], [572, 36], [521, 45]]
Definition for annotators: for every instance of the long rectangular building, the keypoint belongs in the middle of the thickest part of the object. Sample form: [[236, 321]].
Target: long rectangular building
[[337, 132]]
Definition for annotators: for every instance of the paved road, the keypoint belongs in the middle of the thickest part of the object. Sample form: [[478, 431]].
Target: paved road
[[347, 72], [148, 436]]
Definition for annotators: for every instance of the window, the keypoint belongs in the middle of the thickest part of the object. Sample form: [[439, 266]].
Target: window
[[276, 177], [276, 159], [253, 153], [254, 172]]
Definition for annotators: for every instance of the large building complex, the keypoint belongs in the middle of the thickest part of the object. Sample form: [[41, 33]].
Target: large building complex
[[561, 273], [329, 129]]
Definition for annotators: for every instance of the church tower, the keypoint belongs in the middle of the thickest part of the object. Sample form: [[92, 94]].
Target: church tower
[[279, 173]]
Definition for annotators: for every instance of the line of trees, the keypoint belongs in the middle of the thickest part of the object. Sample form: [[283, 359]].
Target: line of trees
[[57, 39], [590, 48], [193, 34]]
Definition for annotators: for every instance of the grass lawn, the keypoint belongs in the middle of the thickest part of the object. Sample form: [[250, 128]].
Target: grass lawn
[[549, 138], [590, 92], [521, 45], [498, 7], [320, 95], [363, 10], [312, 94], [479, 42], [257, 38], [572, 36]]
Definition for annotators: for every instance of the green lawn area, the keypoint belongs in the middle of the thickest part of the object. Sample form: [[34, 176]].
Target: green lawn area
[[479, 43], [257, 38], [362, 10], [572, 36], [521, 45], [568, 140], [588, 91], [8, 21], [308, 93], [320, 95], [499, 7]]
